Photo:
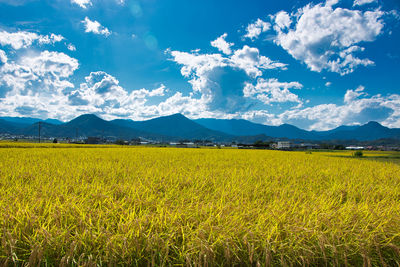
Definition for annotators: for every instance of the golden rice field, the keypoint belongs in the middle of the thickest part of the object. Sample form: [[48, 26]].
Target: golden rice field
[[66, 205]]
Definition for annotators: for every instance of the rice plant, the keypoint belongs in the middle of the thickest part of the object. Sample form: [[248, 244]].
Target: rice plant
[[114, 205]]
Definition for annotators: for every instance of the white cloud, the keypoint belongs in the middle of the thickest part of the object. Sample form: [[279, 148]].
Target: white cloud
[[52, 39], [44, 72], [71, 47], [327, 84], [324, 37], [82, 3], [102, 94], [23, 39], [353, 94], [358, 108], [220, 80], [36, 84], [363, 2], [250, 60], [95, 27], [3, 56], [271, 90], [282, 20], [222, 44], [254, 30], [54, 63]]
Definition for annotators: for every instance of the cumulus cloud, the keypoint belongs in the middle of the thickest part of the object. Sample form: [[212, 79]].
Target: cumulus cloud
[[353, 94], [36, 84], [250, 60], [102, 90], [82, 3], [54, 63], [95, 27], [254, 30], [3, 56], [102, 94], [272, 91], [220, 79], [23, 39], [39, 85], [324, 37], [222, 44], [357, 108], [47, 68], [363, 2]]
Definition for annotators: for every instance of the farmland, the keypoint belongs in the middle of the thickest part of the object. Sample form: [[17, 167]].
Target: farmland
[[67, 205]]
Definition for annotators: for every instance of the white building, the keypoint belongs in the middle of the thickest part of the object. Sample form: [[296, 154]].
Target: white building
[[283, 145], [355, 147]]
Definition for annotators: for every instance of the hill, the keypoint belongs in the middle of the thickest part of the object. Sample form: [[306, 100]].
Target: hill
[[178, 127], [86, 125], [369, 131], [175, 125]]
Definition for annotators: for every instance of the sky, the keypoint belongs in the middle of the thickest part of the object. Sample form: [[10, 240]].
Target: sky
[[316, 65]]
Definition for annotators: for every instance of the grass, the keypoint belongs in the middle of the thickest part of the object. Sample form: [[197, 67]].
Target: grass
[[165, 206]]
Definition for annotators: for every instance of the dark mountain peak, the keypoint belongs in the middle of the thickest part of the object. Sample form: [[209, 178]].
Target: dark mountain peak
[[42, 123], [289, 126], [85, 118], [374, 124], [176, 116]]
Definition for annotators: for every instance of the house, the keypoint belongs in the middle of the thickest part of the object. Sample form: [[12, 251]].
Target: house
[[283, 145]]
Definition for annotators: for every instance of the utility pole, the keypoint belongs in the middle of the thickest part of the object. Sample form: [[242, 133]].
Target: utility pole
[[76, 134], [40, 128]]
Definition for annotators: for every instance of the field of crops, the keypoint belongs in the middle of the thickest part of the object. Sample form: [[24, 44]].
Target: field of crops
[[65, 205]]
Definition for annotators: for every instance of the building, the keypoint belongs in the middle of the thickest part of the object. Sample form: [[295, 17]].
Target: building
[[354, 147], [283, 145]]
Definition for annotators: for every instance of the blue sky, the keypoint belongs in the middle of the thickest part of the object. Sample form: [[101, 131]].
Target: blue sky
[[316, 64]]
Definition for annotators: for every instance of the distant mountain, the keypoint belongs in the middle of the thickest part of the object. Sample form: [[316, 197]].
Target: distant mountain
[[53, 121], [86, 125], [175, 125], [247, 128], [46, 130], [9, 127], [369, 131], [25, 121]]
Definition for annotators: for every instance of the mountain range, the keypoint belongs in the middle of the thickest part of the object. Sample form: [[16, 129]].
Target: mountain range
[[177, 127]]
